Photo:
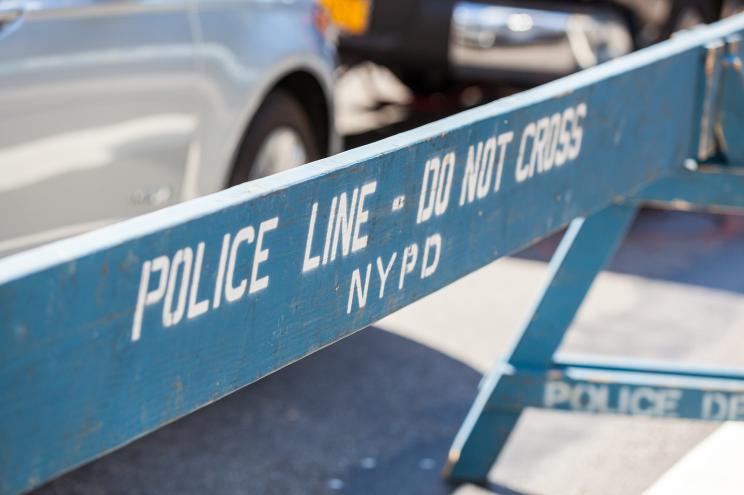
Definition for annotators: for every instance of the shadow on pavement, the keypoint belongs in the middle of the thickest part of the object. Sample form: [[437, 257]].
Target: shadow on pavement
[[686, 247], [372, 414]]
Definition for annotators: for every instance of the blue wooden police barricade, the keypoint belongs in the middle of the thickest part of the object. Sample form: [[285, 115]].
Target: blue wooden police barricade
[[110, 335]]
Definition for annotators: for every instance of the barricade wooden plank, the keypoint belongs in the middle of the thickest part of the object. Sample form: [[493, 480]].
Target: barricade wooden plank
[[113, 334], [633, 392]]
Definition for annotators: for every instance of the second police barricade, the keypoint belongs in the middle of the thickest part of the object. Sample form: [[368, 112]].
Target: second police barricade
[[110, 335]]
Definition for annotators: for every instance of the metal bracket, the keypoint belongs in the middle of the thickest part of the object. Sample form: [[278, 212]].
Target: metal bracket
[[721, 116], [709, 113]]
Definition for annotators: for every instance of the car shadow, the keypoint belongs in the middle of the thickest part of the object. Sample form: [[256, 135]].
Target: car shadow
[[691, 248], [372, 414]]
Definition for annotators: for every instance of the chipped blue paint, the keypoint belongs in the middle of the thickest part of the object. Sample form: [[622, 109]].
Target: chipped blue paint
[[103, 342]]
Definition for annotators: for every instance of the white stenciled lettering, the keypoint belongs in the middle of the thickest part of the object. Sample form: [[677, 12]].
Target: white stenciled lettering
[[523, 169], [485, 174], [720, 406], [564, 137], [537, 158], [182, 258], [344, 223], [550, 141], [182, 277], [357, 289], [444, 188], [384, 272], [329, 229], [578, 132], [433, 244], [429, 185], [310, 262], [146, 297], [602, 398], [408, 263], [344, 227], [261, 255], [482, 169], [233, 292], [360, 242], [221, 272], [503, 142], [197, 308], [436, 187]]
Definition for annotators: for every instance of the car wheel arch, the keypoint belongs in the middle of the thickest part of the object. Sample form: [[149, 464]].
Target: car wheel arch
[[313, 93]]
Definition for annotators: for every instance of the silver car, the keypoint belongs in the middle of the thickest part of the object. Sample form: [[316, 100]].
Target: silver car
[[112, 108]]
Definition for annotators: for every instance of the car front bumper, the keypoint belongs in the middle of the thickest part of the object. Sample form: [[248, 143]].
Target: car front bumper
[[525, 44]]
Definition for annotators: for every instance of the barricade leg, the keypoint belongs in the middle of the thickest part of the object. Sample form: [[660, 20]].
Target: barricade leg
[[585, 249]]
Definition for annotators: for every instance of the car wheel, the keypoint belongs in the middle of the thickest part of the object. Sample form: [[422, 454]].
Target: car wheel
[[280, 137]]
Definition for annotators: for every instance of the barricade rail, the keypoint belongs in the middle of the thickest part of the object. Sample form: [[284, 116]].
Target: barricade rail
[[112, 334]]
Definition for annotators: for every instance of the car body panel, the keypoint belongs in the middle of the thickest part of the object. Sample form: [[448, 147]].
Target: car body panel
[[96, 113], [112, 108], [236, 77]]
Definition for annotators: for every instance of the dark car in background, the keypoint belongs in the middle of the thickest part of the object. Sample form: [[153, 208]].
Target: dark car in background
[[438, 45]]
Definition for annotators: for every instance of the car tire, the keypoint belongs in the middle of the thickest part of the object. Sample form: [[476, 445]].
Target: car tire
[[279, 113]]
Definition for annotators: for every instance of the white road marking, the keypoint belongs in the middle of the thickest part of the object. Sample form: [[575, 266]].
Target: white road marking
[[714, 466]]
